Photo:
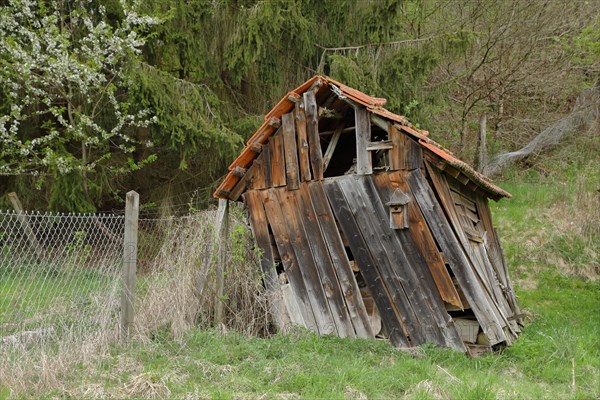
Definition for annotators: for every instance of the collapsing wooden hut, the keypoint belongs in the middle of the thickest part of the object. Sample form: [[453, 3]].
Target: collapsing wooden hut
[[368, 227]]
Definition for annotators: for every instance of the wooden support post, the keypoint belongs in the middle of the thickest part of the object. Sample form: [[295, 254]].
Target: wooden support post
[[221, 231], [312, 132], [24, 220], [291, 152], [332, 144], [132, 209], [364, 164]]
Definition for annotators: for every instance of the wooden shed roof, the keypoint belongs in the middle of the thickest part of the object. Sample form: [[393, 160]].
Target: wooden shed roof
[[441, 156]]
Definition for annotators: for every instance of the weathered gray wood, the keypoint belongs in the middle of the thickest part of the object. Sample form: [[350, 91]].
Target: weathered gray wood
[[303, 147], [276, 150], [386, 255], [364, 163], [132, 209], [316, 283], [24, 221], [425, 316], [260, 229], [266, 158], [383, 145], [457, 259], [278, 221], [332, 145], [303, 202], [221, 233], [291, 151], [354, 301], [312, 131], [486, 280], [421, 236], [367, 264]]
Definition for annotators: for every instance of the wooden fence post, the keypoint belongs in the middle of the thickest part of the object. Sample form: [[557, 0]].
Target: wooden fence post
[[221, 230], [24, 220], [132, 208]]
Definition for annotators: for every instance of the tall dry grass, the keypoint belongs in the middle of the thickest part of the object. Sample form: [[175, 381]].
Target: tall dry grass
[[176, 292]]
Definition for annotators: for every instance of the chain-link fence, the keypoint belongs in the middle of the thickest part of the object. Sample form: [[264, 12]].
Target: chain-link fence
[[58, 273]]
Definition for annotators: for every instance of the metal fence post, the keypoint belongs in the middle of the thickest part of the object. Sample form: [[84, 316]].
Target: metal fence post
[[132, 208]]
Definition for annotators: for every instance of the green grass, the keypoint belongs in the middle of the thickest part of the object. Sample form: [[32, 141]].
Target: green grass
[[552, 246], [28, 291]]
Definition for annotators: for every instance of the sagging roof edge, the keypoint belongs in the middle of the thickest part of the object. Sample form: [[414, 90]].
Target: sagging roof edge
[[375, 106]]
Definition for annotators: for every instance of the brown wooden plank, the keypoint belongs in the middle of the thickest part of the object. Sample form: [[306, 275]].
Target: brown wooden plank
[[368, 265], [260, 229], [291, 151], [422, 238], [242, 184], [312, 132], [277, 160], [364, 163], [397, 152], [258, 180], [278, 222], [303, 147], [302, 203], [351, 292], [496, 254], [308, 268], [266, 157], [482, 305], [402, 264], [484, 275]]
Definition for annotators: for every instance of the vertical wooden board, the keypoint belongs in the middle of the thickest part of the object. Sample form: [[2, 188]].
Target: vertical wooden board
[[308, 268], [291, 151], [422, 237], [260, 229], [266, 156], [480, 302], [397, 151], [364, 164], [303, 146], [351, 292], [414, 154], [367, 264], [302, 202], [386, 255], [425, 312], [312, 131], [277, 160], [258, 180], [278, 221]]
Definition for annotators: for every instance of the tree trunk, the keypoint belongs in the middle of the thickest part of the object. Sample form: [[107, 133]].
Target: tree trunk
[[583, 119]]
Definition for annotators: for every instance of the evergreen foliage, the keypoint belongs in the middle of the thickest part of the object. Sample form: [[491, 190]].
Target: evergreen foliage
[[209, 71]]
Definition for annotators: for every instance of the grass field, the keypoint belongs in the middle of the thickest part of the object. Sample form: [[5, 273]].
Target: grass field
[[551, 236]]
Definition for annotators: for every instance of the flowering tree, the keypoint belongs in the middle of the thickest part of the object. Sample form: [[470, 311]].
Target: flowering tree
[[64, 110]]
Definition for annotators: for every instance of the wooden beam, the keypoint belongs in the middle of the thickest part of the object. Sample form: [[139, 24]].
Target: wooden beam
[[364, 164], [305, 174], [291, 152], [332, 145], [130, 250], [221, 230], [312, 132], [383, 145]]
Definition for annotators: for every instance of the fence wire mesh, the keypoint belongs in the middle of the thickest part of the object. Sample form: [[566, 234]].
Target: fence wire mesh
[[58, 273]]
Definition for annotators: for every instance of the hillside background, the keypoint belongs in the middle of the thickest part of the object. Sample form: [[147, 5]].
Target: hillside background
[[158, 96]]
